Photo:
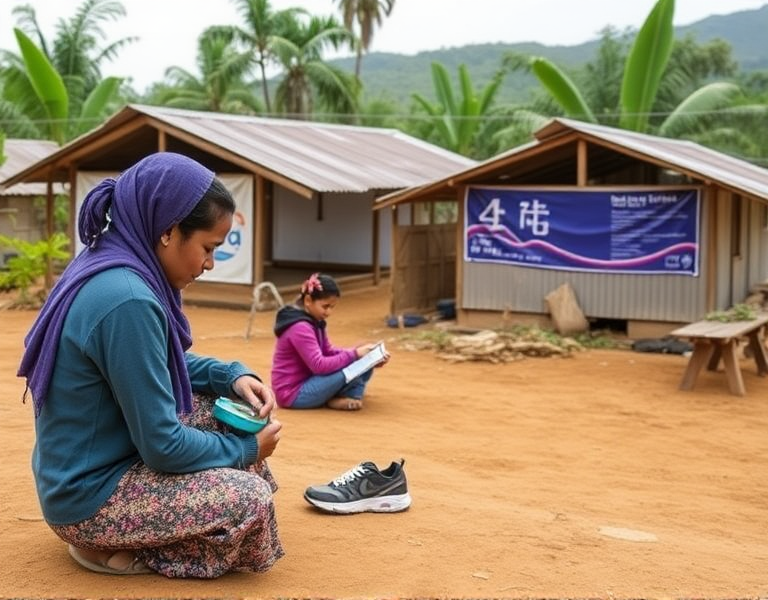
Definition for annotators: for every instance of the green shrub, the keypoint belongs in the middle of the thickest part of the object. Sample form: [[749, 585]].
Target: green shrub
[[31, 263]]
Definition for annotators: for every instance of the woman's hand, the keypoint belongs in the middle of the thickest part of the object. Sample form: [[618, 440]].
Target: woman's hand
[[268, 438], [255, 393]]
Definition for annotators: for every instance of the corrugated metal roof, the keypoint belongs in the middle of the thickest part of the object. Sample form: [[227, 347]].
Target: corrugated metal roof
[[323, 157], [319, 156], [689, 157], [20, 154], [680, 155]]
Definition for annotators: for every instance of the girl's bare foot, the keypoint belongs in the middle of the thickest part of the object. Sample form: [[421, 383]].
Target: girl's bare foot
[[344, 404]]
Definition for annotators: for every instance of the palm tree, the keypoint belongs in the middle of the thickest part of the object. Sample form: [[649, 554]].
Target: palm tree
[[263, 29], [306, 81], [76, 52], [34, 89], [368, 14], [220, 87], [57, 90]]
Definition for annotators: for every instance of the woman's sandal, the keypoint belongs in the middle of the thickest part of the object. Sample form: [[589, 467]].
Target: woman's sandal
[[135, 567], [344, 404]]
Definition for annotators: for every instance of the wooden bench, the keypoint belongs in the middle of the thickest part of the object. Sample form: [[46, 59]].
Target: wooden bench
[[713, 340]]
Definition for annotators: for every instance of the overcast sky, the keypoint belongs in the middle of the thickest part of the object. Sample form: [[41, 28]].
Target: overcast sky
[[168, 29]]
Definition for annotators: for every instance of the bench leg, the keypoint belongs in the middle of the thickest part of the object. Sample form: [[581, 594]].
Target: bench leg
[[702, 351], [732, 370], [758, 351], [714, 359]]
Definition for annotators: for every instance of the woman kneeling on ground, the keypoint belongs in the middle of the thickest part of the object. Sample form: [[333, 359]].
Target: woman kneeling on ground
[[131, 469]]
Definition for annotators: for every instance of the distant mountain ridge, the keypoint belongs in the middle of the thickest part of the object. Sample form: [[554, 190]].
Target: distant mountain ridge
[[397, 76]]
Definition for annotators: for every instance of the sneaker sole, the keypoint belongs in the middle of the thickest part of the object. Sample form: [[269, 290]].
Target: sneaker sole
[[382, 504]]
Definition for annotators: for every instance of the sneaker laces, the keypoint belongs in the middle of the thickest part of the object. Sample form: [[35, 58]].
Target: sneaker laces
[[350, 475]]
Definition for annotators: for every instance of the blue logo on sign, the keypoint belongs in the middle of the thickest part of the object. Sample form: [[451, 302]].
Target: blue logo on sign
[[231, 246]]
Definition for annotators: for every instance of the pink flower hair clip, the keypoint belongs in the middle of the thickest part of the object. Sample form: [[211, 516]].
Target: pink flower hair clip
[[311, 284]]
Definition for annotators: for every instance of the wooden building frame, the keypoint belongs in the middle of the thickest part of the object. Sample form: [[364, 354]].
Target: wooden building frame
[[317, 165], [573, 155]]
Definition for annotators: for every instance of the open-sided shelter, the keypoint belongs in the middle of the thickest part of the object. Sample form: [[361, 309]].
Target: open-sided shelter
[[648, 231], [305, 190]]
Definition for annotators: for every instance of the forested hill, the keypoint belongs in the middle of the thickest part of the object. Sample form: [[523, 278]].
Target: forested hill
[[746, 31], [397, 76]]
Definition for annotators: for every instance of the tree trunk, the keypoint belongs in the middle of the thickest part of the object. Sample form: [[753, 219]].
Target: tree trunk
[[265, 89]]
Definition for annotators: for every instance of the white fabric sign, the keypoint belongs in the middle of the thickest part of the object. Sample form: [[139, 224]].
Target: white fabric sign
[[234, 259]]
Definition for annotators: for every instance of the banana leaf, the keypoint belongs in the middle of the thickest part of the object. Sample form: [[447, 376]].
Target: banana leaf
[[442, 82], [47, 83], [688, 116], [562, 89], [469, 110], [645, 65], [96, 102], [441, 123]]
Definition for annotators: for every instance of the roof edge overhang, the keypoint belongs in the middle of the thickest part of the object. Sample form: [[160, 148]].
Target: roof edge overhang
[[555, 134], [228, 155], [43, 170], [414, 194], [128, 119], [705, 179]]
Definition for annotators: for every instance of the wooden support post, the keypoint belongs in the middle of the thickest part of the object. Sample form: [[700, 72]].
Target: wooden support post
[[49, 216], [375, 237], [461, 193], [393, 236], [259, 227], [581, 163]]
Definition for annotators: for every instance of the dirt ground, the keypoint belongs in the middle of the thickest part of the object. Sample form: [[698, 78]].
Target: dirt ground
[[518, 474]]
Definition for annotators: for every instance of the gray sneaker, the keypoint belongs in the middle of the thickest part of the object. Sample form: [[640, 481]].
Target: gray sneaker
[[363, 488]]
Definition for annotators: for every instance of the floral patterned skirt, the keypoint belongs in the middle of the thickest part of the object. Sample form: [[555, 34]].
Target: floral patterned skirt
[[201, 524]]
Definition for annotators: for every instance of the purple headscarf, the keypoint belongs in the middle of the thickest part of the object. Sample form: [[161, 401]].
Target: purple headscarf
[[145, 201]]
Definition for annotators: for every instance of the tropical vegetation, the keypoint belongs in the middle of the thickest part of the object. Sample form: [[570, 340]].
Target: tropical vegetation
[[659, 85], [262, 30], [30, 263], [456, 119], [221, 85], [56, 90], [275, 63], [308, 84], [364, 16]]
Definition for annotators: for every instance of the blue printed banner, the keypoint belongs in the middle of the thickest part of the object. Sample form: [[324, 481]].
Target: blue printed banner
[[651, 231]]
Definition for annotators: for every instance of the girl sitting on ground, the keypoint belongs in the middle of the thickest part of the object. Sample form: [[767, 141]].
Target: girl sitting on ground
[[307, 371]]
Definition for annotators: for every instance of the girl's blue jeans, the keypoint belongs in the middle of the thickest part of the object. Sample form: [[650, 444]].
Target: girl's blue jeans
[[318, 389]]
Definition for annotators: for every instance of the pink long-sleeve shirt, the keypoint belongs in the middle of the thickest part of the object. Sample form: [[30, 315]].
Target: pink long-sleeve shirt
[[301, 351]]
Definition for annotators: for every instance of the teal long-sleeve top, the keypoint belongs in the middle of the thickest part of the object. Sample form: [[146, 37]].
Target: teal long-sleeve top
[[111, 403]]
